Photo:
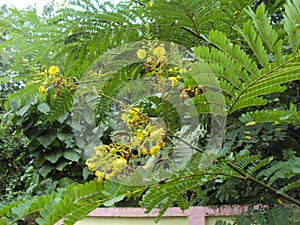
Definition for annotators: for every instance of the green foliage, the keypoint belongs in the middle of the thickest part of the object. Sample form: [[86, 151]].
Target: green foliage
[[72, 203], [290, 17], [277, 215], [13, 157], [259, 161], [172, 190]]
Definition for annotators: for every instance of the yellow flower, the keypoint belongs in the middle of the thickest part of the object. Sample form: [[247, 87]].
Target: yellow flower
[[174, 80], [179, 77], [250, 123], [53, 70], [141, 53], [24, 60], [122, 161], [161, 144], [124, 117], [135, 118], [248, 137], [149, 60], [140, 134], [46, 82], [159, 51], [143, 151], [118, 164], [150, 4], [71, 32], [235, 12], [157, 133], [90, 167], [42, 89], [162, 59], [154, 150], [134, 111], [99, 174]]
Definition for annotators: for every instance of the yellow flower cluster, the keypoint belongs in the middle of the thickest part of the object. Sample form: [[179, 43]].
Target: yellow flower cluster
[[53, 70], [147, 138], [175, 80], [42, 89], [105, 163], [156, 57], [58, 82], [141, 53], [159, 51]]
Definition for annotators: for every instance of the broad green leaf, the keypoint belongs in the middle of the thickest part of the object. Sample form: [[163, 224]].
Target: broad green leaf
[[72, 154], [22, 111], [47, 138], [65, 182], [44, 108], [45, 170], [61, 165], [67, 138], [54, 155], [113, 200]]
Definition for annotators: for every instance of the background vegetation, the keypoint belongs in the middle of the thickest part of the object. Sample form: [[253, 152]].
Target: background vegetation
[[251, 47]]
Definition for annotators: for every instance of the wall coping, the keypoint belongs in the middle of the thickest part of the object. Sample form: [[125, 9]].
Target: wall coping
[[195, 214]]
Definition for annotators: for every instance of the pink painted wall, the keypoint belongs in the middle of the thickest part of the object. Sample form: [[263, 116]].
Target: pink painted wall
[[196, 215]]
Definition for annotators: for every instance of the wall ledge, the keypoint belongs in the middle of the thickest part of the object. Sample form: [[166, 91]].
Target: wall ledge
[[196, 214]]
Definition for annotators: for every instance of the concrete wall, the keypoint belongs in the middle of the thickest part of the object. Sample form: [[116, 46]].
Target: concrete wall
[[132, 221], [174, 216]]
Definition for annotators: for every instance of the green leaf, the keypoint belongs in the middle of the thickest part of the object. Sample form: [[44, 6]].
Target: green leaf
[[14, 104], [21, 209], [291, 23], [3, 221], [54, 155], [45, 170], [47, 138], [67, 138], [62, 118], [86, 173], [61, 165], [72, 154], [44, 108], [113, 200], [65, 182], [22, 111]]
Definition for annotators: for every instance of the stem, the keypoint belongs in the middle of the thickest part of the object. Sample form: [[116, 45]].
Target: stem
[[185, 142], [246, 176], [138, 2], [129, 193]]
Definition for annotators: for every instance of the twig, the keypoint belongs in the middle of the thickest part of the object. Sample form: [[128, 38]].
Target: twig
[[246, 176], [138, 2]]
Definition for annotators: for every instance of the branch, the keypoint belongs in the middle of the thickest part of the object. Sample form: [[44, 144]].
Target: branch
[[185, 142], [138, 2], [246, 176]]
